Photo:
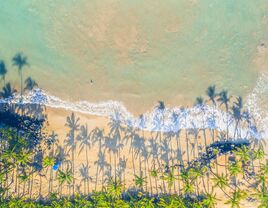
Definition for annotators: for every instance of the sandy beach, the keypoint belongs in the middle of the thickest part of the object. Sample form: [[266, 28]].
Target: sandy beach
[[124, 161]]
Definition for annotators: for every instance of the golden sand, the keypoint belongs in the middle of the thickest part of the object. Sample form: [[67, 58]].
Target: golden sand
[[57, 120]]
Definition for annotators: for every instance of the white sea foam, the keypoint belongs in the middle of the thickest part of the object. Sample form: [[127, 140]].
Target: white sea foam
[[255, 105], [168, 120]]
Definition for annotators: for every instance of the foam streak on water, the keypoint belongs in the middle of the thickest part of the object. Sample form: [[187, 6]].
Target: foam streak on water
[[254, 100], [168, 120]]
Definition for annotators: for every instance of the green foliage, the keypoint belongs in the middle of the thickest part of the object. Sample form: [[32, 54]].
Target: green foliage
[[235, 168], [65, 177], [139, 181], [220, 181], [169, 177], [170, 202], [154, 173], [101, 199], [114, 189], [145, 202], [263, 198], [236, 198], [210, 200], [48, 161], [243, 154]]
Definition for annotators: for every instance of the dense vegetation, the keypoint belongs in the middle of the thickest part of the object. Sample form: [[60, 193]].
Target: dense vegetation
[[166, 175]]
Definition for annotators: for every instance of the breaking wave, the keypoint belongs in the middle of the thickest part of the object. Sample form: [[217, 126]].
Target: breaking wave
[[256, 103], [168, 120]]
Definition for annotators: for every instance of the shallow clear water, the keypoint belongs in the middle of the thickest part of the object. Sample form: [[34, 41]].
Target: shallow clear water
[[137, 52]]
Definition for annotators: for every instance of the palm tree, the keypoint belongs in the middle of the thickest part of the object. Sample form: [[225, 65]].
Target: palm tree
[[243, 153], [84, 139], [170, 178], [114, 189], [23, 159], [224, 99], [147, 202], [61, 158], [188, 187], [154, 152], [144, 152], [8, 158], [235, 168], [210, 200], [3, 71], [154, 174], [236, 198], [159, 121], [23, 178], [20, 61], [30, 84], [73, 123], [65, 177], [176, 129], [165, 149], [48, 162], [51, 141], [220, 181], [140, 181], [258, 154]]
